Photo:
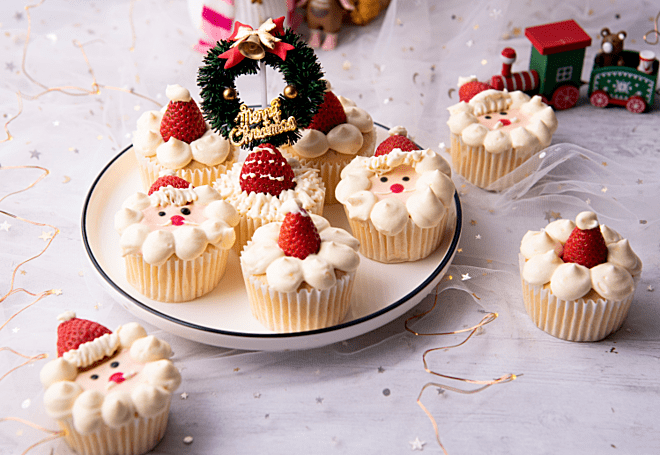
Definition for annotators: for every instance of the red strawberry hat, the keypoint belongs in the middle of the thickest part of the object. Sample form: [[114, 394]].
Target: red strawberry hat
[[395, 142], [169, 180], [182, 119], [72, 332], [330, 114], [467, 91], [586, 245], [265, 170], [298, 235]]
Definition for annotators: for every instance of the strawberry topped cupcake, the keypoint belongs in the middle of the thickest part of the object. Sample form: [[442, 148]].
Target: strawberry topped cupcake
[[397, 202], [339, 132], [176, 239], [177, 141], [578, 278], [299, 273], [258, 188], [110, 392]]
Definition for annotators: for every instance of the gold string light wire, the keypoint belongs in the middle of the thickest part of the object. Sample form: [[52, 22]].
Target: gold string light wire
[[653, 32], [67, 90], [483, 384], [53, 433]]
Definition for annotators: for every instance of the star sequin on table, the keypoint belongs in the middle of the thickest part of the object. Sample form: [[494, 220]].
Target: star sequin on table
[[56, 291], [319, 400], [46, 236], [495, 13], [15, 329], [184, 396], [417, 445], [188, 440], [473, 222], [640, 181], [34, 154], [5, 226], [9, 66], [465, 277], [643, 221], [478, 236], [470, 43], [256, 395], [551, 216], [650, 288], [381, 370], [18, 16], [604, 190], [67, 179]]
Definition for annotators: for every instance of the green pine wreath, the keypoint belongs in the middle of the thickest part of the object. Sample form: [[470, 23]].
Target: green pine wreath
[[300, 69]]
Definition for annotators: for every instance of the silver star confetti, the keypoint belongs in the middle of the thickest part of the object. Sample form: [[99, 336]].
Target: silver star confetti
[[5, 226], [46, 236], [465, 277], [34, 154], [417, 444], [319, 400], [184, 396]]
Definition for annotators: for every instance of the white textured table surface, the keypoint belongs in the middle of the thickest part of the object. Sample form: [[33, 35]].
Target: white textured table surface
[[357, 396]]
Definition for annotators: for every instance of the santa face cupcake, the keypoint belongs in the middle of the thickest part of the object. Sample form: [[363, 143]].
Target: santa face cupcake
[[177, 141], [397, 202], [578, 278], [258, 188], [109, 392], [495, 132], [339, 132], [175, 240], [299, 273]]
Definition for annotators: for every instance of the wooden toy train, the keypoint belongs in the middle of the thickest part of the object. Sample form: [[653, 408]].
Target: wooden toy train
[[619, 77]]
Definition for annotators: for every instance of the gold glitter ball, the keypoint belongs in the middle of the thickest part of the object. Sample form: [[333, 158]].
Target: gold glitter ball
[[229, 94], [290, 92]]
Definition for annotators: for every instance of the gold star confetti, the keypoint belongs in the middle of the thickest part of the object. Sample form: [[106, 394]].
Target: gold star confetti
[[56, 291], [489, 261], [484, 62], [46, 236], [236, 370], [459, 250], [67, 179], [640, 181], [346, 65], [473, 222], [81, 273], [517, 31], [476, 26], [23, 272], [604, 163], [642, 221], [604, 190]]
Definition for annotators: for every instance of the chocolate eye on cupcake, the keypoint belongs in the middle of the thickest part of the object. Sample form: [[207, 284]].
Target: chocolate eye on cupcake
[[397, 202], [176, 239], [578, 278]]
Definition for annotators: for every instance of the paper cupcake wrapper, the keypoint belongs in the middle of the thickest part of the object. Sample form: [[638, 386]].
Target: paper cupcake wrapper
[[411, 244], [177, 280], [205, 175], [247, 225], [136, 437], [286, 312], [573, 320], [482, 168]]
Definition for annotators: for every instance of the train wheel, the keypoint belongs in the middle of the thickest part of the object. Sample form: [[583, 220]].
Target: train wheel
[[636, 104], [565, 97], [599, 98]]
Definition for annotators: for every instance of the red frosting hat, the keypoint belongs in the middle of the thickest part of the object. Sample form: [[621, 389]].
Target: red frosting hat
[[169, 180], [73, 332]]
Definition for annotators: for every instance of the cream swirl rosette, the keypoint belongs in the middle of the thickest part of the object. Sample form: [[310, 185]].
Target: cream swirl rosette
[[200, 162], [292, 294], [570, 300], [330, 152], [112, 391], [176, 241], [496, 131], [397, 204]]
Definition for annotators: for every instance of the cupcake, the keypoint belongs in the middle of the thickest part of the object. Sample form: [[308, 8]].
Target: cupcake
[[339, 132], [109, 392], [299, 273], [397, 202], [176, 239], [578, 278], [496, 132], [258, 187], [177, 141]]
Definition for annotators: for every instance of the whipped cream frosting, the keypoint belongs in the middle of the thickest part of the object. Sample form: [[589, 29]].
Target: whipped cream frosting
[[338, 251], [346, 138], [112, 392], [181, 221], [308, 190], [499, 121], [390, 189], [614, 279], [211, 149]]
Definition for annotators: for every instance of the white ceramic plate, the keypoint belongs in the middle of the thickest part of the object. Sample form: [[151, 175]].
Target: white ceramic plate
[[382, 292]]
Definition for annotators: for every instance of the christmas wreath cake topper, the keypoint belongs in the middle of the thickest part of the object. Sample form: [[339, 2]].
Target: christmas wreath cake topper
[[248, 51]]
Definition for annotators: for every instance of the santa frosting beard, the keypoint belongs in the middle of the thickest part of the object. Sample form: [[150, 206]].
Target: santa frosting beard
[[109, 389], [185, 230]]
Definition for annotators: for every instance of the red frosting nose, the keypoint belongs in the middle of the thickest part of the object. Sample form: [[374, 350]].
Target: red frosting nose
[[505, 122], [397, 188], [117, 377], [177, 220]]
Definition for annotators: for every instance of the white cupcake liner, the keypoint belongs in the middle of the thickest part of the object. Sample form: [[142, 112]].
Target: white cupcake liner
[[482, 168], [573, 320], [411, 244], [205, 175], [136, 437], [299, 311], [177, 280]]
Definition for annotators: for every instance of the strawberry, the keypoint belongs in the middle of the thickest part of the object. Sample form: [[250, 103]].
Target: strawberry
[[331, 113], [395, 142], [169, 180], [298, 235], [74, 332], [182, 120], [265, 170], [469, 89], [585, 247]]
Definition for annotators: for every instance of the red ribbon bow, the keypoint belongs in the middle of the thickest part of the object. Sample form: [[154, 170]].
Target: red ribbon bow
[[271, 44]]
